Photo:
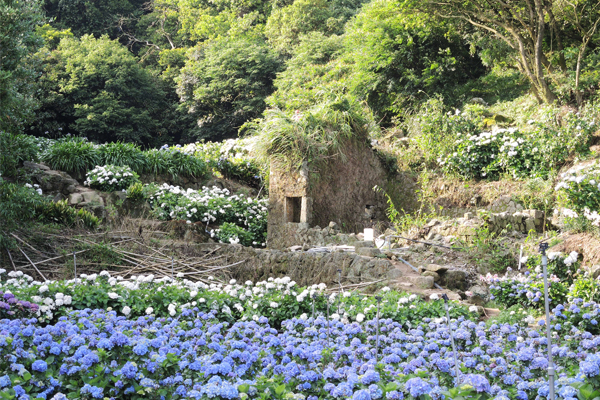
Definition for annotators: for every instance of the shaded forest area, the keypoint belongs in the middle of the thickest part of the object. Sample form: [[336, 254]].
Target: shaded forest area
[[175, 71]]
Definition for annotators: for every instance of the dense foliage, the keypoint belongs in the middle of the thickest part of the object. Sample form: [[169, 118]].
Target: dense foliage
[[225, 82], [23, 205], [18, 40], [96, 88], [111, 178]]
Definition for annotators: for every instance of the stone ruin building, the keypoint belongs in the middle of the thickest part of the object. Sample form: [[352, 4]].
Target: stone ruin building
[[339, 190]]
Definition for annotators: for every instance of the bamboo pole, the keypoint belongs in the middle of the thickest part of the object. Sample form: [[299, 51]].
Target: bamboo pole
[[31, 262]]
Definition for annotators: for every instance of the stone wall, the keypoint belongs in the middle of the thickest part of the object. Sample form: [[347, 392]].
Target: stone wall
[[299, 235], [306, 268], [520, 221]]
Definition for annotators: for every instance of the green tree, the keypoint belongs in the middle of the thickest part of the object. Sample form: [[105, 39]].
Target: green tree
[[286, 25], [96, 88], [402, 56], [318, 69], [225, 83], [208, 19], [97, 17], [18, 38], [538, 32]]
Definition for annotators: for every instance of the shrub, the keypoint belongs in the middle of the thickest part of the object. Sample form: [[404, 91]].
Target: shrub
[[174, 162], [21, 205], [564, 268], [585, 287], [111, 178], [229, 158], [535, 151], [315, 134], [135, 192], [241, 170], [579, 193], [13, 308], [212, 207], [527, 291], [73, 156], [60, 212], [123, 154], [182, 164], [17, 208], [14, 149], [232, 233], [157, 161]]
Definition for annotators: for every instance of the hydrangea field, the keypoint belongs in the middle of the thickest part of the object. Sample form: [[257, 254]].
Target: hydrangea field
[[101, 336]]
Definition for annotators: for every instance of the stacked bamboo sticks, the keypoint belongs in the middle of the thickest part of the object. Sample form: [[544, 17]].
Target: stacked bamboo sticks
[[135, 258]]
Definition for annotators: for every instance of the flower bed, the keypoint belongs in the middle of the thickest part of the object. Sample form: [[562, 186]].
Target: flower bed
[[579, 191], [278, 299], [97, 354], [229, 158], [528, 152], [165, 338]]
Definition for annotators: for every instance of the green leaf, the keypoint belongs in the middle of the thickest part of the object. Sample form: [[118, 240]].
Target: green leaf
[[243, 388]]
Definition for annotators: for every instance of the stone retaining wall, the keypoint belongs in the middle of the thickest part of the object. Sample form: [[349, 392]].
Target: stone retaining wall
[[305, 268]]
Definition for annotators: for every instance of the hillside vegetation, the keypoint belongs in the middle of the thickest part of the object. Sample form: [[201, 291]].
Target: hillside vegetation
[[454, 93]]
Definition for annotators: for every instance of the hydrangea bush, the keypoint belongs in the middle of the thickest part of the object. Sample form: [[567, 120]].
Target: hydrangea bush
[[216, 207], [111, 178], [531, 152], [11, 307], [579, 193]]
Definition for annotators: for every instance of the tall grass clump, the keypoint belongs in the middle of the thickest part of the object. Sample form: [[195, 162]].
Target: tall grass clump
[[314, 134], [123, 154], [185, 165], [174, 162], [74, 156], [14, 149]]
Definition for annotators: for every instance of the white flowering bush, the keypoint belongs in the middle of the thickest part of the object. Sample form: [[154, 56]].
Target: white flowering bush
[[111, 178], [579, 193], [531, 152], [35, 187], [277, 299], [213, 207]]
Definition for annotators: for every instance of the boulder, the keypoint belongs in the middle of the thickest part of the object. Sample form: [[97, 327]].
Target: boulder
[[435, 275], [595, 271], [368, 251], [456, 279], [394, 274], [440, 269], [92, 197], [422, 282], [75, 198], [477, 295]]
